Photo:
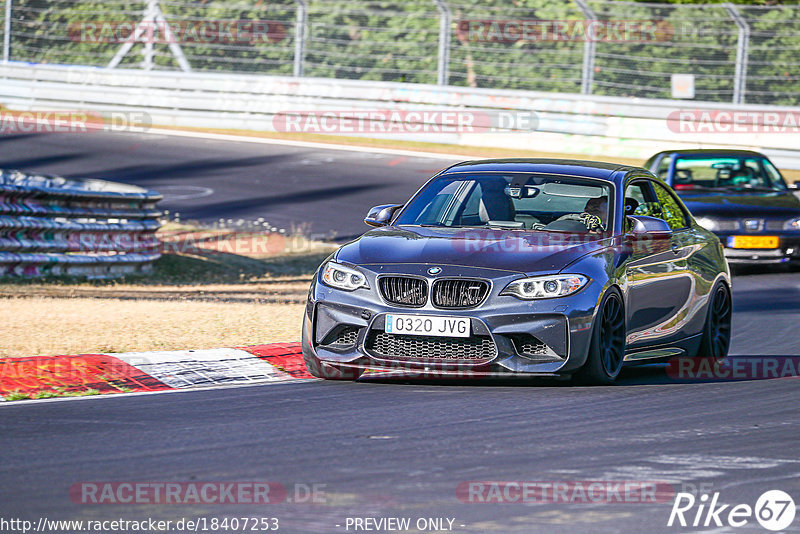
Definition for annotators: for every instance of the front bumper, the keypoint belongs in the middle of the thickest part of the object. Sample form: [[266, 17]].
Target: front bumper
[[788, 250], [509, 335]]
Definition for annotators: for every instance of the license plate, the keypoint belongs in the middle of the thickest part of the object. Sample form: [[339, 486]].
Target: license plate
[[753, 241], [427, 325]]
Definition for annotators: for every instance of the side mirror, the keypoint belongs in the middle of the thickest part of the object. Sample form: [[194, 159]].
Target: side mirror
[[381, 215], [649, 226]]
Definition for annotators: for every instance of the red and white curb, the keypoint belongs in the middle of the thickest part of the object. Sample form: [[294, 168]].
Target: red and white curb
[[45, 376]]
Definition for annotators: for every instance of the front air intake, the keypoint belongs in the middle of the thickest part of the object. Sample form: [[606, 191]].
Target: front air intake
[[459, 293], [409, 348], [404, 290]]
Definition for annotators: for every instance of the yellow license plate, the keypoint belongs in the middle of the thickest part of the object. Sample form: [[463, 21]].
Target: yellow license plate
[[753, 241]]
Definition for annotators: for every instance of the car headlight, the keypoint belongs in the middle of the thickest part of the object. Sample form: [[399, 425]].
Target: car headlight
[[792, 224], [708, 224], [341, 277], [545, 287]]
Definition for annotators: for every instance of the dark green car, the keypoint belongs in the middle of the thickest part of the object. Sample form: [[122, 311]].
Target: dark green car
[[740, 196]]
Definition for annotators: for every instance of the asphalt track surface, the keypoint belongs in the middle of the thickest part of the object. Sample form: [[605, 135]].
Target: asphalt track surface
[[322, 191], [400, 448]]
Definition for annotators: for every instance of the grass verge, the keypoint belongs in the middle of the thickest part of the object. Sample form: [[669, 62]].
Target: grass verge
[[49, 394]]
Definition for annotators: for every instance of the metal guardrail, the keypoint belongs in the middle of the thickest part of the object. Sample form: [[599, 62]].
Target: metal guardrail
[[582, 124], [50, 225]]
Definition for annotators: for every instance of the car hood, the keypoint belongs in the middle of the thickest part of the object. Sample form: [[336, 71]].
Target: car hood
[[730, 204], [523, 252]]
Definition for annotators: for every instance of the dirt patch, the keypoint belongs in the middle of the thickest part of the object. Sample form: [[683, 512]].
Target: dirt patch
[[228, 289]]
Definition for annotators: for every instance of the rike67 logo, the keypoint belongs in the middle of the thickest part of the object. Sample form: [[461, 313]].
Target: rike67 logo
[[774, 510]]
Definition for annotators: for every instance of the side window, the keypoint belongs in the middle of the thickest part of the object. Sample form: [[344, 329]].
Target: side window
[[775, 178], [638, 201], [634, 197], [670, 209], [663, 166]]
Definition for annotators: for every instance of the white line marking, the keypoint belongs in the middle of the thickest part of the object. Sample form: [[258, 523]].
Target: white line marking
[[309, 144], [174, 193]]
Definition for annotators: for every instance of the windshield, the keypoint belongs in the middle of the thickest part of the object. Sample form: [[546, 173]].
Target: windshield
[[727, 173], [520, 201]]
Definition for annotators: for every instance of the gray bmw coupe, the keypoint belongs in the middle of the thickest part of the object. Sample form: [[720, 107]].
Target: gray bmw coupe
[[527, 266]]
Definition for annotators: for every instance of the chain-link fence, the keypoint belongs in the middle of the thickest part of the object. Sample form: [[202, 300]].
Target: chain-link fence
[[724, 52]]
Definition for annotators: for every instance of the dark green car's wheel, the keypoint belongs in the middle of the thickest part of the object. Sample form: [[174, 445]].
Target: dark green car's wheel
[[717, 332], [607, 349]]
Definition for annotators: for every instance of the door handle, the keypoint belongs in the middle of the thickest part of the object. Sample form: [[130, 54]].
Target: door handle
[[676, 248]]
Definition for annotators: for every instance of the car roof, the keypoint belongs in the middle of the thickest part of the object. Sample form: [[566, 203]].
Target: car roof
[[570, 167], [713, 152]]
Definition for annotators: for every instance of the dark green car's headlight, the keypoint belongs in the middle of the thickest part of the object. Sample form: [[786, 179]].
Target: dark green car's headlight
[[707, 223]]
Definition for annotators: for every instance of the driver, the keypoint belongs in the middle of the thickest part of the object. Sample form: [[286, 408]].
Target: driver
[[595, 213], [593, 218]]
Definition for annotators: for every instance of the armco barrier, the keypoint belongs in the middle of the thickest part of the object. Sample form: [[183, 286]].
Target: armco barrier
[[581, 124], [50, 225]]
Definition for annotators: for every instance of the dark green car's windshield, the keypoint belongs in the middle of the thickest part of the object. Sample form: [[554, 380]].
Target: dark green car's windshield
[[520, 201], [727, 173]]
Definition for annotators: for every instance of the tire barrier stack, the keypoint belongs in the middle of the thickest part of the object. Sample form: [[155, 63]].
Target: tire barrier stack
[[53, 226]]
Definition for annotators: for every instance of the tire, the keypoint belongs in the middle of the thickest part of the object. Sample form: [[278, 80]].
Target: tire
[[717, 331], [330, 371], [607, 348]]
